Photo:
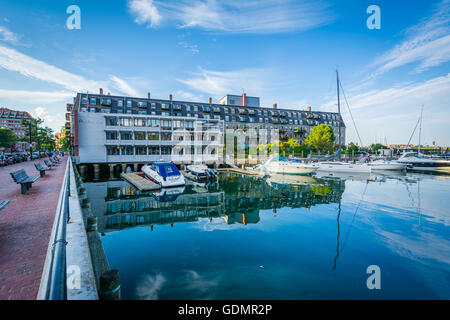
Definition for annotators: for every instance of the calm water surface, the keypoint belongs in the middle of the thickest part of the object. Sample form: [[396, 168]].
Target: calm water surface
[[253, 238]]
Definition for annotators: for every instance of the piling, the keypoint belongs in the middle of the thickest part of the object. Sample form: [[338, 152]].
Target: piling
[[91, 224], [86, 203], [110, 285]]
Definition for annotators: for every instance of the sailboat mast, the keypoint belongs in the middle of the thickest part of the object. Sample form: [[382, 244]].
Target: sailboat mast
[[420, 129], [339, 112]]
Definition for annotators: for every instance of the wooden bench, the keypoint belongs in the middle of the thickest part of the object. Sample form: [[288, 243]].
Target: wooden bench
[[40, 168], [25, 181]]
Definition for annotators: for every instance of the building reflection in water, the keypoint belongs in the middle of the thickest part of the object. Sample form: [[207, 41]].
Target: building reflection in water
[[235, 199]]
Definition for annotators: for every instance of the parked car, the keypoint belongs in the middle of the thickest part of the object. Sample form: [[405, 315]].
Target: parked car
[[9, 158], [35, 155], [3, 160]]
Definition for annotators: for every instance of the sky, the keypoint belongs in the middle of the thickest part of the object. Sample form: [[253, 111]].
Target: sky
[[286, 52]]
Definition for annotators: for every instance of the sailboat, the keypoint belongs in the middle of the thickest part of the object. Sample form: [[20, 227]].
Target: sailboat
[[417, 162], [339, 166]]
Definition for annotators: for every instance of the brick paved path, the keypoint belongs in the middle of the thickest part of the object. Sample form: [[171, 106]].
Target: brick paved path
[[25, 227]]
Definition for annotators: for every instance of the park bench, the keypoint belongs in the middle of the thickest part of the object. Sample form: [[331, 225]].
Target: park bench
[[41, 169], [3, 204], [53, 161], [48, 164], [25, 181]]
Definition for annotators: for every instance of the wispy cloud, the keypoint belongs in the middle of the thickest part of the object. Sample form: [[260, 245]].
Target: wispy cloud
[[51, 119], [427, 44], [149, 286], [124, 87], [393, 111], [15, 61], [234, 16], [8, 36], [35, 97], [193, 48], [221, 82], [145, 12]]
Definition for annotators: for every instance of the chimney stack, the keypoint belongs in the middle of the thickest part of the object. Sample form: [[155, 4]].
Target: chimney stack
[[244, 99], [148, 95], [170, 97], [210, 100], [101, 91], [309, 108], [275, 106]]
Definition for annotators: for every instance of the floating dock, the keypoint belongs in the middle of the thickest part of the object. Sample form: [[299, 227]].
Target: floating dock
[[141, 183]]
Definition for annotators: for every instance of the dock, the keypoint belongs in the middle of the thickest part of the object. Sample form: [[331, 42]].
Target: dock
[[140, 182]]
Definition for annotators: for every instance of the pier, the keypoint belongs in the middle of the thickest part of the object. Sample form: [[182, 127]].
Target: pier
[[25, 228]]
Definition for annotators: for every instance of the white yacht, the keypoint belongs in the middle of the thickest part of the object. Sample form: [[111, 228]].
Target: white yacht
[[415, 161], [165, 174], [338, 166], [281, 165]]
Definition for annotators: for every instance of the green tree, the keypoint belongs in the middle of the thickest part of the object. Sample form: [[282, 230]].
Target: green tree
[[7, 138], [321, 138], [352, 148]]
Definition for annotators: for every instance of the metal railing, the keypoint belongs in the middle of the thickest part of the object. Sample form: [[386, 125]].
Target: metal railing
[[57, 275]]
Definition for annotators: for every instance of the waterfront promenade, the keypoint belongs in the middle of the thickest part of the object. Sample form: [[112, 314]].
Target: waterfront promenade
[[25, 228]]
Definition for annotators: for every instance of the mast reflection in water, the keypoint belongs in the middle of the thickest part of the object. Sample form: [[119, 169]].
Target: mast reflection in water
[[277, 238]]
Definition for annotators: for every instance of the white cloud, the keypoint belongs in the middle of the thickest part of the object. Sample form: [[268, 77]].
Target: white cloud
[[52, 120], [13, 60], [193, 48], [8, 36], [234, 16], [220, 83], [149, 286], [35, 97], [124, 87], [395, 110], [145, 12], [427, 44]]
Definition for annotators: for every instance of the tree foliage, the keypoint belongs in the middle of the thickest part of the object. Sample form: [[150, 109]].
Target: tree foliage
[[7, 138], [42, 136], [321, 138]]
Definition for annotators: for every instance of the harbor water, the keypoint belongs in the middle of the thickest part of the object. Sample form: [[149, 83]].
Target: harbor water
[[279, 238]]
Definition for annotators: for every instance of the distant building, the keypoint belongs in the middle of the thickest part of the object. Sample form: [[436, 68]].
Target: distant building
[[240, 101], [12, 119]]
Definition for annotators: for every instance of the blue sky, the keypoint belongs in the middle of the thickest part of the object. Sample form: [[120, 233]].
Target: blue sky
[[284, 51]]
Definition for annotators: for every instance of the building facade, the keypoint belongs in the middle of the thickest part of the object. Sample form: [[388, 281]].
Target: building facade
[[119, 129], [12, 119]]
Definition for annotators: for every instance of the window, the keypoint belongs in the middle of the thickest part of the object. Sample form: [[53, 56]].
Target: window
[[93, 101], [139, 122], [166, 124], [129, 104], [165, 150], [165, 106], [126, 136], [111, 121], [166, 136], [105, 102], [141, 150], [120, 103], [112, 135], [127, 150], [142, 104], [126, 122], [154, 151], [139, 136], [178, 124], [153, 136], [112, 151], [153, 123], [189, 124]]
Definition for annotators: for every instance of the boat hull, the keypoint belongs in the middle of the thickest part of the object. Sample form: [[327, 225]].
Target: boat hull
[[175, 181], [345, 167]]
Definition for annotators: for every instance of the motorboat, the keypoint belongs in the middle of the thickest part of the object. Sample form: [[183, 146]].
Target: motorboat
[[417, 162], [386, 165], [200, 173], [346, 167], [169, 195], [165, 174], [281, 165]]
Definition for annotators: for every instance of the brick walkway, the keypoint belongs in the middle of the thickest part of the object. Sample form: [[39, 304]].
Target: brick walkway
[[25, 227]]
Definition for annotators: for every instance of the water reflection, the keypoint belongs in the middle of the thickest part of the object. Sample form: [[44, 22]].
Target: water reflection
[[251, 238], [235, 199]]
